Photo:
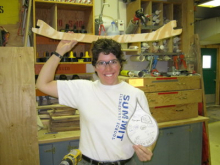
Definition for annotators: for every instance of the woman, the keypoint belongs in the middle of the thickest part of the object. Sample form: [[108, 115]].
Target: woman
[[105, 105]]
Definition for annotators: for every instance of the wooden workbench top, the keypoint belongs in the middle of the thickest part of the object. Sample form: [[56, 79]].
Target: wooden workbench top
[[182, 122], [45, 137]]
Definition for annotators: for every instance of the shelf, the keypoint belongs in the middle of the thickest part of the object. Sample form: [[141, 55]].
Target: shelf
[[50, 106], [45, 137], [62, 5], [129, 50], [58, 15], [161, 54]]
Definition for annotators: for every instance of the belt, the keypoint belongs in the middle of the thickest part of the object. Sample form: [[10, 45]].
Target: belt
[[94, 162]]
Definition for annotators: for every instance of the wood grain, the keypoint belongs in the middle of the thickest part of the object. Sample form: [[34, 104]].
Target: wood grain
[[18, 119], [166, 31]]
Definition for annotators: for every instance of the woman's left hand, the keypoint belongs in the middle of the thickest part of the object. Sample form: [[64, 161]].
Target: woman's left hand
[[143, 153]]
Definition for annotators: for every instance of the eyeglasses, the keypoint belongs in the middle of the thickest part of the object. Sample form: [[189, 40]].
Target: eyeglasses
[[102, 64]]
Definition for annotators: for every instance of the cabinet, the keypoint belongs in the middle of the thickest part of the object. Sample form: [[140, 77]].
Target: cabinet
[[171, 98], [58, 15], [178, 145], [178, 99], [53, 153]]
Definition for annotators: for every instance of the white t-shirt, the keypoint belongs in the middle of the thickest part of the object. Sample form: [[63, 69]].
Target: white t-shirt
[[104, 113]]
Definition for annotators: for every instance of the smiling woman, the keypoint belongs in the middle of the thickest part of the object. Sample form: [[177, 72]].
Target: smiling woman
[[108, 69], [105, 105], [107, 60]]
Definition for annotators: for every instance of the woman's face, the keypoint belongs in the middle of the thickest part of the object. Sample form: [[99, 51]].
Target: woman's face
[[108, 68]]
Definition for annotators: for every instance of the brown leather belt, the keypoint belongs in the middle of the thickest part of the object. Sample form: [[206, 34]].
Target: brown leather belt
[[94, 162]]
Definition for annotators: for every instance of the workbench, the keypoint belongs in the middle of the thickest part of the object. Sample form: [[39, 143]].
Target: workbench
[[182, 139]]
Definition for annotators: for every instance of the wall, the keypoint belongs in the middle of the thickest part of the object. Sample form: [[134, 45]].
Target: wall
[[9, 19]]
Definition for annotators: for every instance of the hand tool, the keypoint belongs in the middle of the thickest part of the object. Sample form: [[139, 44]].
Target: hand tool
[[175, 62], [150, 59], [179, 60], [133, 24], [154, 71], [100, 21], [182, 60], [139, 15]]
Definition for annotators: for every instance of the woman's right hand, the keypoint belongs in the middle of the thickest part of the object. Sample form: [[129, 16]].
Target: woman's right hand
[[65, 46]]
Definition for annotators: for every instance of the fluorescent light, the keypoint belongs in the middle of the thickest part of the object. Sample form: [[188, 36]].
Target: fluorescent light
[[210, 4]]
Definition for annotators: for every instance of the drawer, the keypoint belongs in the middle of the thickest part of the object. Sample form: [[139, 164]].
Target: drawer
[[174, 112], [156, 84], [174, 97]]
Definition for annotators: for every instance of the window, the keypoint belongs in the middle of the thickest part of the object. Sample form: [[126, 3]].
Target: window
[[206, 61]]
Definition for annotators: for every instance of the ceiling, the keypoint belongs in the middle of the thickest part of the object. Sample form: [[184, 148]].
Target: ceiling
[[207, 25], [204, 12]]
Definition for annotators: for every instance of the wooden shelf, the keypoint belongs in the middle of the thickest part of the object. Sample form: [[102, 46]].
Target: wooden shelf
[[129, 50], [63, 5], [162, 54], [57, 15], [45, 137]]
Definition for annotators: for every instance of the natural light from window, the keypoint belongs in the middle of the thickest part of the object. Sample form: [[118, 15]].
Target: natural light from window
[[206, 61]]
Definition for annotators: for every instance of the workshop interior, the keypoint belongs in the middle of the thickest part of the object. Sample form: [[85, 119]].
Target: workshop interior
[[175, 63]]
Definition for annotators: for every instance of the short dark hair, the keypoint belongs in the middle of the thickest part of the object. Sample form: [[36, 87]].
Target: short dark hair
[[107, 46]]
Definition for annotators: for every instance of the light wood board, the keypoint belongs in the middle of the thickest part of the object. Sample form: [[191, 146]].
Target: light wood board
[[18, 119], [166, 31]]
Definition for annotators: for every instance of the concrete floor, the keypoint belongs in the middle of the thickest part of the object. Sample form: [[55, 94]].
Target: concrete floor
[[213, 112]]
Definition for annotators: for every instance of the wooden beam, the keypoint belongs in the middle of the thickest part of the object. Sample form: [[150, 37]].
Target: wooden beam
[[27, 23], [187, 23]]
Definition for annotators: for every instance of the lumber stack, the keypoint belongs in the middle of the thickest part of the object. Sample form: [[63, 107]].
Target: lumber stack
[[58, 118], [63, 119]]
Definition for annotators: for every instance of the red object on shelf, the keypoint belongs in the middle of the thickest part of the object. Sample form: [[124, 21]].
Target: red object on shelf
[[65, 68], [167, 93], [46, 40]]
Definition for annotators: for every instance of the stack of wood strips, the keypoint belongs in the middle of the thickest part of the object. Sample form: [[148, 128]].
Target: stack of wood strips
[[64, 119]]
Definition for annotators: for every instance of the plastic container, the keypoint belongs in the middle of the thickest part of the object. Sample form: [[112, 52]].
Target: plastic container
[[72, 57], [113, 30], [87, 58]]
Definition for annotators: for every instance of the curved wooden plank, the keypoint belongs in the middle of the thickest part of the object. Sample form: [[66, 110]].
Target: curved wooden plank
[[164, 32]]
